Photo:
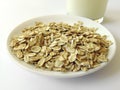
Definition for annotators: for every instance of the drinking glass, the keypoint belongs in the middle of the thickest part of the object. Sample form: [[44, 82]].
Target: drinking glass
[[93, 9]]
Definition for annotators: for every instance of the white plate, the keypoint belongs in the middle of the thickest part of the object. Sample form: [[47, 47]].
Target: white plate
[[70, 20]]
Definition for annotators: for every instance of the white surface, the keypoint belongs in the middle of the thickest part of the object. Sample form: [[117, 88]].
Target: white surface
[[12, 77]]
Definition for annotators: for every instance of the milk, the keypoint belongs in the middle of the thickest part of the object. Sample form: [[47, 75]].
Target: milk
[[93, 9]]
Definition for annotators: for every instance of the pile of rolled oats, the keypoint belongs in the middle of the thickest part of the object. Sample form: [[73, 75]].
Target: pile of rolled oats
[[61, 47]]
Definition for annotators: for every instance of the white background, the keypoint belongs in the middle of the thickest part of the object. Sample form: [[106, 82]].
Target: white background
[[13, 77]]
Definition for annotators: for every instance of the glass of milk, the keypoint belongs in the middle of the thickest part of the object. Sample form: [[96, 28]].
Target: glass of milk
[[93, 9]]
